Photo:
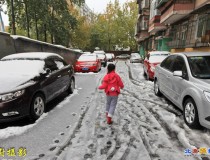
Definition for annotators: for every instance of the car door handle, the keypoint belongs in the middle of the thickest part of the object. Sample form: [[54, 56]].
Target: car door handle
[[59, 76], [168, 77]]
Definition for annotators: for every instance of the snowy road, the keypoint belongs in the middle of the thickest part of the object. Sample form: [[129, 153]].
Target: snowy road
[[145, 126]]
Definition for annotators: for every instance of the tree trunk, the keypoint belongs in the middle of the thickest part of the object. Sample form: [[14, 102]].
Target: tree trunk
[[37, 31], [27, 18], [13, 18]]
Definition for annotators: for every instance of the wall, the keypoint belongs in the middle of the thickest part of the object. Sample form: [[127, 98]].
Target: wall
[[6, 44], [19, 44]]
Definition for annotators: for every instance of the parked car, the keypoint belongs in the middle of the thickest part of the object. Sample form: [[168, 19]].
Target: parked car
[[102, 56], [123, 56], [110, 57], [29, 81], [151, 61], [135, 58], [184, 79], [88, 63]]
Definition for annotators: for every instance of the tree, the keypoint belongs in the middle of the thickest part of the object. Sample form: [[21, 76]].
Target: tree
[[50, 20], [116, 25]]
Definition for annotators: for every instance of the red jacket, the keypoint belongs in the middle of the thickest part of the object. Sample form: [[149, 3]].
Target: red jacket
[[112, 84]]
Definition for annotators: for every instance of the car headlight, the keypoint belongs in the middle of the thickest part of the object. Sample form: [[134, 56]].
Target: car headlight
[[10, 96]]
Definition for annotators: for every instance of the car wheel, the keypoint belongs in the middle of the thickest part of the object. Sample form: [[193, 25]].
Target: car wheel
[[156, 88], [37, 106], [191, 114], [71, 86]]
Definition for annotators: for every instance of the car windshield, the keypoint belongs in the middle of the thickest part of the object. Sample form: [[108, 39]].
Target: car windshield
[[157, 58], [87, 58], [200, 66], [22, 67]]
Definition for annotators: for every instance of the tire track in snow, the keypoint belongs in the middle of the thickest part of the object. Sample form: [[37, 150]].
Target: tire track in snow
[[167, 128], [154, 98], [147, 130]]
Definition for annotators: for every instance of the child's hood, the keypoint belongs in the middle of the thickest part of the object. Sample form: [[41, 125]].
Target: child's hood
[[111, 77]]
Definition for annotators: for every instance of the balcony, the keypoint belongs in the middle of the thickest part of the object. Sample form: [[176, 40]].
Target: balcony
[[176, 11], [142, 35], [161, 2], [155, 25]]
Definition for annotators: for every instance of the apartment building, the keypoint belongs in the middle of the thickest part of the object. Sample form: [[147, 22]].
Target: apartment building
[[178, 25], [83, 10]]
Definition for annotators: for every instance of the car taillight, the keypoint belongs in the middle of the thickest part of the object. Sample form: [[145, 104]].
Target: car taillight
[[152, 67]]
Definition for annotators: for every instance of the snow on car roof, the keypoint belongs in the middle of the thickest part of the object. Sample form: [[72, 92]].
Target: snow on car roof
[[31, 55], [159, 52], [189, 54], [99, 52]]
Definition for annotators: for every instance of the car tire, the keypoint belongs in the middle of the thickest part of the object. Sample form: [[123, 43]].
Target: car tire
[[37, 107], [191, 114], [71, 86], [156, 88]]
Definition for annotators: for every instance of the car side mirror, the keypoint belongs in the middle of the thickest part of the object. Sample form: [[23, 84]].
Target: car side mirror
[[178, 73]]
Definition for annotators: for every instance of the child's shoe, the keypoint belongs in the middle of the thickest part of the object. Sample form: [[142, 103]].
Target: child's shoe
[[109, 120]]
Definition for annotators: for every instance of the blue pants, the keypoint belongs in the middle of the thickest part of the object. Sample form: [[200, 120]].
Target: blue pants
[[111, 103]]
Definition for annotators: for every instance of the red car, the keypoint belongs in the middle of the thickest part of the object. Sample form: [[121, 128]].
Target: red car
[[88, 63], [151, 61]]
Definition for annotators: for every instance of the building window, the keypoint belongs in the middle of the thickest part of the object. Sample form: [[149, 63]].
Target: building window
[[203, 26]]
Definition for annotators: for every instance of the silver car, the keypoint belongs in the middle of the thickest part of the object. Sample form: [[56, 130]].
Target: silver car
[[184, 78]]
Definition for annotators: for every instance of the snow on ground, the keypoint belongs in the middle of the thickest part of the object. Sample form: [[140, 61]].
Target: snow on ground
[[145, 126], [15, 131]]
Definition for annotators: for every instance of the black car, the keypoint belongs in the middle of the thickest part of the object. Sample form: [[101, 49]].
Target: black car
[[29, 80]]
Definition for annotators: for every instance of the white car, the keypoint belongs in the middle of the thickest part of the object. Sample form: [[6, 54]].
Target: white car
[[184, 79], [109, 57]]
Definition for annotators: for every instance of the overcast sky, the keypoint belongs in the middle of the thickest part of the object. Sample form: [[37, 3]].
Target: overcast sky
[[98, 6]]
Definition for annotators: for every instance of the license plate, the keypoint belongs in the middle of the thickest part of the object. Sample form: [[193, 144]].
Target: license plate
[[84, 69]]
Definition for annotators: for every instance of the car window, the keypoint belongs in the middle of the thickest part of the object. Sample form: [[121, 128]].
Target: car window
[[59, 64], [178, 64], [168, 62], [50, 63], [88, 57], [200, 66]]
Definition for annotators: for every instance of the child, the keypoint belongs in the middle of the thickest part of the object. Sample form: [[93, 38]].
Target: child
[[112, 84]]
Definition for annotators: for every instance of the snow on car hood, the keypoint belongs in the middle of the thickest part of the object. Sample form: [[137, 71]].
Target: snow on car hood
[[14, 73], [10, 84]]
